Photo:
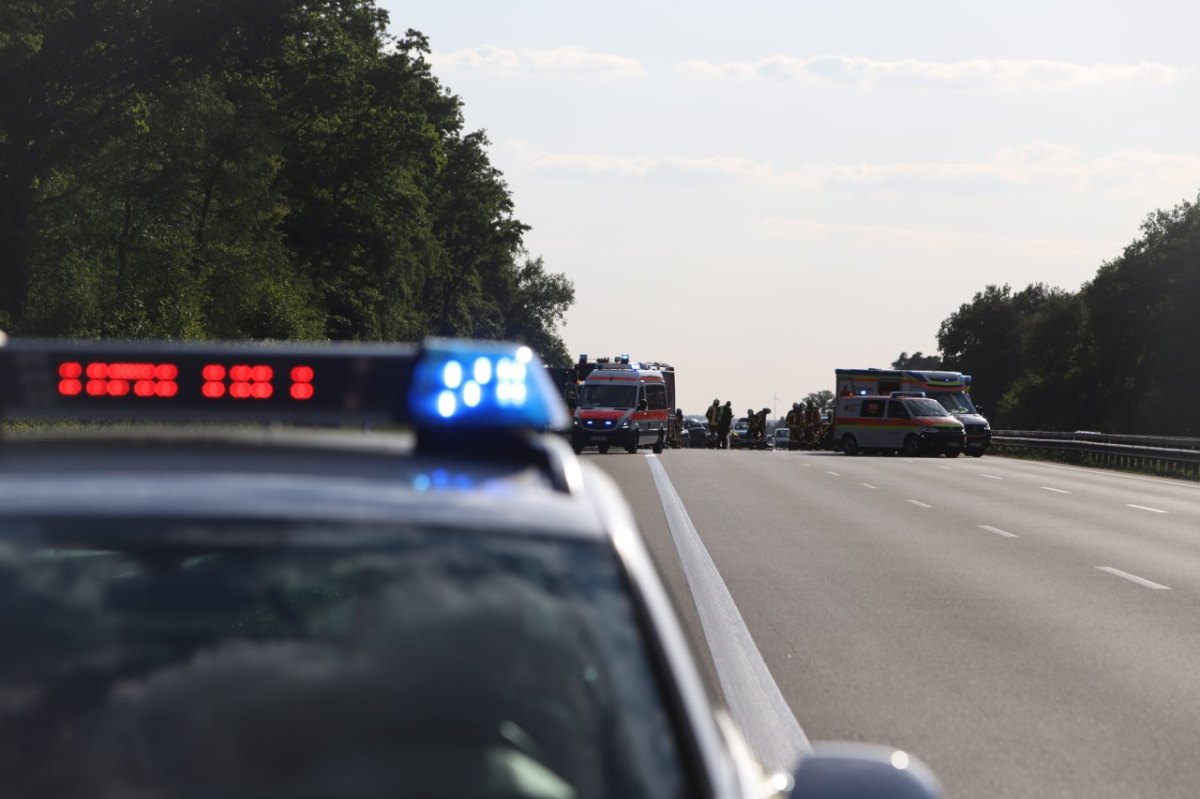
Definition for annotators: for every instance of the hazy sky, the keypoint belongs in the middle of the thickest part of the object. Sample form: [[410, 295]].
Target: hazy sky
[[761, 192]]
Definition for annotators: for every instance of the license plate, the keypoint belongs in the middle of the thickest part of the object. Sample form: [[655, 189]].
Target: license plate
[[598, 438]]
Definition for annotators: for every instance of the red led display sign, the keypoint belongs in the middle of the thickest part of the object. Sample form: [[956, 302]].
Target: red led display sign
[[240, 381]]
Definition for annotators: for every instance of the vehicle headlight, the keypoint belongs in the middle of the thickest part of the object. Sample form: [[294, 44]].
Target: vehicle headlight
[[625, 425]]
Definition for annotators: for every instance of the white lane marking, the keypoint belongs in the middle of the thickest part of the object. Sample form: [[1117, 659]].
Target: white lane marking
[[947, 468], [807, 465], [919, 504], [1055, 490], [908, 460], [992, 477], [1144, 507], [868, 485], [835, 474], [754, 699], [998, 531], [1133, 578]]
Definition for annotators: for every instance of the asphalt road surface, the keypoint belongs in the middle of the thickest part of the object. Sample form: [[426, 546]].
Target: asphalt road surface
[[1029, 629]]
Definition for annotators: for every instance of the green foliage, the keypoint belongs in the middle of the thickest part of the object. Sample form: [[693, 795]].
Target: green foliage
[[1116, 356], [820, 398], [223, 169], [917, 361]]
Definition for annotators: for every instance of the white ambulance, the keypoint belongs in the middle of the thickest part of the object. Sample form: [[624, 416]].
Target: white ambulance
[[913, 425], [624, 405]]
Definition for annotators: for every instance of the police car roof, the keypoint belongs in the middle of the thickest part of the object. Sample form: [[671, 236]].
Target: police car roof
[[286, 475]]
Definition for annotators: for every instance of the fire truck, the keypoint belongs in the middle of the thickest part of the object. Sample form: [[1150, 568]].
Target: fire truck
[[622, 403], [951, 389]]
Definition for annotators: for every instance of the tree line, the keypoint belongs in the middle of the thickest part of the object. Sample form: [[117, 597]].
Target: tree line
[[275, 169], [1121, 355]]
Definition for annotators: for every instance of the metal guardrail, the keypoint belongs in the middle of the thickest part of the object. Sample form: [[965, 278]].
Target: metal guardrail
[[1160, 453]]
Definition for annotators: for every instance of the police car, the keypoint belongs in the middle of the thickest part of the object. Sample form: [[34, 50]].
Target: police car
[[288, 600]]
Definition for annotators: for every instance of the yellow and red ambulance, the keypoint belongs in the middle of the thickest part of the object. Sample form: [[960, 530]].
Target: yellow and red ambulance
[[952, 390], [623, 404], [900, 422]]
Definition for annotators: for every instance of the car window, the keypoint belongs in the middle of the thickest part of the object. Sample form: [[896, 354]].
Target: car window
[[608, 396], [349, 663], [926, 407], [896, 410]]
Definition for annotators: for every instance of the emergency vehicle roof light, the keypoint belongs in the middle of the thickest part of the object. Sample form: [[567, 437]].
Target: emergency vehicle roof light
[[442, 385], [474, 384]]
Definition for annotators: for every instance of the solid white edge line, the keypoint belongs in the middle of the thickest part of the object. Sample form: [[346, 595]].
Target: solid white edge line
[[754, 698], [918, 503], [1145, 507], [1133, 578], [998, 531]]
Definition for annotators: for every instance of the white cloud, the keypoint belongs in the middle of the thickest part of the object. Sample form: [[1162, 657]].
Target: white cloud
[[973, 75], [1033, 165], [557, 61]]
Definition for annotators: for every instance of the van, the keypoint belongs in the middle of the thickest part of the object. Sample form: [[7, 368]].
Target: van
[[622, 405], [909, 424]]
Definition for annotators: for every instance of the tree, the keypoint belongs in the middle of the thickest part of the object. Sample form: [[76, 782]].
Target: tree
[[272, 169], [820, 398], [983, 338], [917, 361]]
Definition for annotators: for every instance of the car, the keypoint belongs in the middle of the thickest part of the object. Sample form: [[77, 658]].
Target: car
[[695, 432], [781, 439], [364, 574]]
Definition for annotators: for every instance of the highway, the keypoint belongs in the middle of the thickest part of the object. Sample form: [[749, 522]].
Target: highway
[[1028, 629]]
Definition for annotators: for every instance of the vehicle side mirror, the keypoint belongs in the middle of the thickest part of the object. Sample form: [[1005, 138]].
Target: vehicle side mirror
[[862, 771], [642, 404], [980, 409]]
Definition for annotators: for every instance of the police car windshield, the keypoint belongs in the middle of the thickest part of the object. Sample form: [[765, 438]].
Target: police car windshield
[[956, 403], [348, 663], [599, 395], [926, 407]]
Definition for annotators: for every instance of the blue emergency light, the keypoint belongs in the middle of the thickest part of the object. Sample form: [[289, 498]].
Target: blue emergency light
[[443, 384], [481, 384]]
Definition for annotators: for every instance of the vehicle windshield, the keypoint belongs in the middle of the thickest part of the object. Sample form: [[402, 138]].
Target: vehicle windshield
[[603, 395], [742, 424], [348, 663], [957, 402], [926, 407]]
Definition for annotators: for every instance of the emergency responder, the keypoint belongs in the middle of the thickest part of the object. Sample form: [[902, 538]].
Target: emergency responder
[[712, 416], [794, 419], [762, 424], [812, 421], [724, 422], [677, 429]]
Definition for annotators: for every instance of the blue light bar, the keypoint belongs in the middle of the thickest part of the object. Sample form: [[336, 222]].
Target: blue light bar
[[473, 384]]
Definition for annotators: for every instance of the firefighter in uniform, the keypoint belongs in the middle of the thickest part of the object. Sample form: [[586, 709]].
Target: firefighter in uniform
[[812, 421], [713, 416], [794, 421]]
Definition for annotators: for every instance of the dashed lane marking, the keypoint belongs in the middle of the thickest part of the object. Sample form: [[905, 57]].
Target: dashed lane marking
[[998, 531], [1133, 578]]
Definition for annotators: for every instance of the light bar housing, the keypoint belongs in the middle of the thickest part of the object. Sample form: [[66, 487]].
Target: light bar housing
[[327, 384]]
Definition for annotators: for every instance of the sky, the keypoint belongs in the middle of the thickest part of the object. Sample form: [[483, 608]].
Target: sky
[[762, 192]]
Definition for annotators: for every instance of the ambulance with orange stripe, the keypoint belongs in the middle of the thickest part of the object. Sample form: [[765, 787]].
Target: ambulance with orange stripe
[[623, 404], [913, 425], [952, 390]]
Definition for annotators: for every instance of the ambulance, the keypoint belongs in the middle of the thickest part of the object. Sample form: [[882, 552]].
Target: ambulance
[[902, 422], [952, 390], [623, 404]]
